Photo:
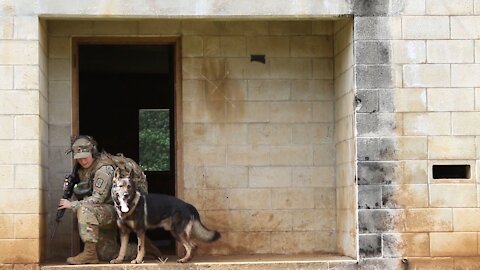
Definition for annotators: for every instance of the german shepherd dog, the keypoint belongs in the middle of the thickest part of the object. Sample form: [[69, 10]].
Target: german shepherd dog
[[139, 212]]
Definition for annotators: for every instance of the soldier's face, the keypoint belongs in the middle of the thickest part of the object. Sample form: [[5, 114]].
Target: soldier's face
[[85, 162]]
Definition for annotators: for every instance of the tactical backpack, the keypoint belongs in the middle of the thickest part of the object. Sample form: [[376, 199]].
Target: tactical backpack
[[127, 165]]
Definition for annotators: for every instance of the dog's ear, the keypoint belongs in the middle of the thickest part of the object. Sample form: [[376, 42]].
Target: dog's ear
[[116, 174]]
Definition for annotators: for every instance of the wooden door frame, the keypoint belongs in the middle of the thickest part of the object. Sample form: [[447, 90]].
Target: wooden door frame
[[176, 41]]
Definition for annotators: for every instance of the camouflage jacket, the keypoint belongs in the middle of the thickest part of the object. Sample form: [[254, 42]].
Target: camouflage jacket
[[97, 181]]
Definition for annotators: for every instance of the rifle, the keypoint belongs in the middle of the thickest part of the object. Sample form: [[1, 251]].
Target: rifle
[[68, 184]]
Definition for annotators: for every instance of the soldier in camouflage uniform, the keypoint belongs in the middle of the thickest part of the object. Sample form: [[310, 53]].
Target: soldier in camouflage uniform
[[94, 208]]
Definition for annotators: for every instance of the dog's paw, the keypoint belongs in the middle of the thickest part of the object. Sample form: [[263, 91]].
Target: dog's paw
[[136, 261], [115, 261], [182, 260]]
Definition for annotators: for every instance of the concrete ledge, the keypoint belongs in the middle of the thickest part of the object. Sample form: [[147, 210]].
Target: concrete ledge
[[228, 262]]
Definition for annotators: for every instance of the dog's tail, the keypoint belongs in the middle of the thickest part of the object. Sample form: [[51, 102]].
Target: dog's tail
[[203, 233]]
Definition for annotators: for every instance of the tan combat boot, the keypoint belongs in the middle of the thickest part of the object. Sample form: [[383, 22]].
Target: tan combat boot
[[89, 255]]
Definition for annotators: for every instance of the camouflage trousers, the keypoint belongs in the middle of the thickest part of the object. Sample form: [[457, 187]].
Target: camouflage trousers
[[97, 223]]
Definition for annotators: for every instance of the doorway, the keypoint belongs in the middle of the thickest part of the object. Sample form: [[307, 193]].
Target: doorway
[[125, 98]]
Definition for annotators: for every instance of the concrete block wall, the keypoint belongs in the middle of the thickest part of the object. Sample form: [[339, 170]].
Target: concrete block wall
[[345, 143], [23, 134], [258, 138], [417, 80], [259, 147]]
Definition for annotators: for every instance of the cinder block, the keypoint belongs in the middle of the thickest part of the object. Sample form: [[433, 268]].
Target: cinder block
[[323, 111], [10, 105], [321, 27], [270, 177], [288, 242], [406, 245], [235, 46], [247, 112], [27, 226], [242, 68], [8, 128], [313, 176], [378, 27], [26, 27], [250, 242], [453, 244], [312, 90], [269, 46], [115, 27], [292, 198], [451, 147], [269, 220], [312, 133], [314, 220], [379, 124], [249, 199], [426, 75], [449, 7], [292, 155], [299, 68], [324, 197], [370, 246], [343, 36], [374, 173], [344, 129], [466, 220], [468, 196], [462, 123], [67, 28], [6, 27], [323, 154], [369, 197], [25, 202], [248, 155], [192, 46], [156, 27], [26, 77], [427, 124], [311, 46], [27, 127], [205, 154], [465, 27], [408, 51], [404, 196], [373, 52], [288, 28], [344, 106], [414, 7], [429, 220], [381, 221], [272, 134], [343, 60], [7, 225], [19, 52], [268, 90], [450, 51], [461, 75], [290, 112], [426, 27], [204, 112], [403, 100], [367, 101], [20, 251], [59, 69], [28, 176], [451, 99], [374, 77], [247, 28]]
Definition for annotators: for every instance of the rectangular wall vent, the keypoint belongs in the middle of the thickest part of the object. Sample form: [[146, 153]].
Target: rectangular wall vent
[[457, 171]]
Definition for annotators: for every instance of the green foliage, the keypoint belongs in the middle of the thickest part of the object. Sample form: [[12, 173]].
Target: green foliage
[[154, 136]]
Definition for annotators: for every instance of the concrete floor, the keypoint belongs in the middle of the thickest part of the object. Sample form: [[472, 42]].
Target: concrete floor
[[267, 262]]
